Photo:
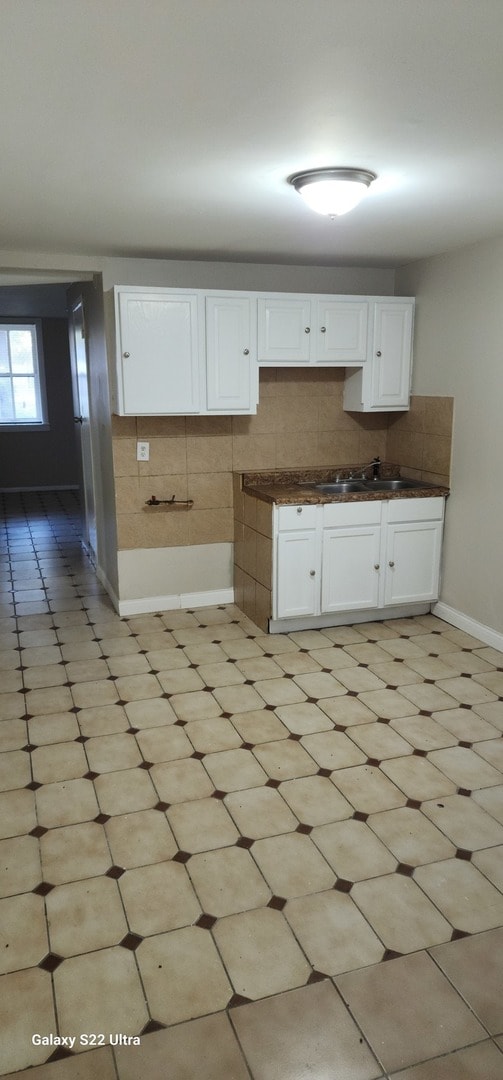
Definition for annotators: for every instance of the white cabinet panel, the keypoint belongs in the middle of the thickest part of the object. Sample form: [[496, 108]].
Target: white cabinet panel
[[284, 330], [158, 342], [341, 331], [392, 355], [383, 383], [350, 568], [231, 361], [298, 574], [412, 562], [312, 330]]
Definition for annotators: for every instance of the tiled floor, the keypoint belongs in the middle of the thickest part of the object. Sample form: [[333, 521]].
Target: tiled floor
[[269, 857]]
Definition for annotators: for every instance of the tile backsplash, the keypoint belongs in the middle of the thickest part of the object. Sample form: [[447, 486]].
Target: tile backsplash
[[300, 423]]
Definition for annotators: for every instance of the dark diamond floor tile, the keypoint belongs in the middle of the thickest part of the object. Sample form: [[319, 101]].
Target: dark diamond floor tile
[[131, 942], [205, 921], [50, 962], [43, 889], [277, 903]]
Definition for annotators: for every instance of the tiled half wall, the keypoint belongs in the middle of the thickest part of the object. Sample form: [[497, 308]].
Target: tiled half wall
[[300, 423]]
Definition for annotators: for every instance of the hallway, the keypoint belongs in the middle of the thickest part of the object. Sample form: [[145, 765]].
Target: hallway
[[265, 857]]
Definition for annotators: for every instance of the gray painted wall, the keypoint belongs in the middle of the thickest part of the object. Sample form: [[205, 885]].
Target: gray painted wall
[[458, 352]]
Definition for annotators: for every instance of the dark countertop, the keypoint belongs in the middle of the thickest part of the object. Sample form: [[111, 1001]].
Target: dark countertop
[[287, 487]]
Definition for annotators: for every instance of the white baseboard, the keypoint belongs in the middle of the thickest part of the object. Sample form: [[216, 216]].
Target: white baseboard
[[345, 618], [147, 604], [471, 626]]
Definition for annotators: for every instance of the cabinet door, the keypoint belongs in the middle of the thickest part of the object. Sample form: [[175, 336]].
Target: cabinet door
[[412, 561], [297, 576], [159, 357], [231, 358], [350, 562], [284, 330], [341, 331], [392, 355]]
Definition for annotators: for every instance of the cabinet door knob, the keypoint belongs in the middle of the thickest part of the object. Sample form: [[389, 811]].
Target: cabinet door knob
[[378, 353], [126, 355], [323, 329], [299, 509], [312, 573], [307, 329], [377, 566], [391, 563], [246, 352]]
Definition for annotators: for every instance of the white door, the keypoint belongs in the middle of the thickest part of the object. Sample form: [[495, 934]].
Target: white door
[[341, 331], [298, 578], [412, 561], [284, 330], [159, 358], [392, 354], [351, 567], [80, 385], [231, 358]]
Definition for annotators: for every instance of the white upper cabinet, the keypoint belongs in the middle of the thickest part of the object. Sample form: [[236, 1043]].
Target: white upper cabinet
[[158, 352], [284, 330], [383, 384], [199, 352], [185, 353], [341, 331], [231, 354], [312, 330]]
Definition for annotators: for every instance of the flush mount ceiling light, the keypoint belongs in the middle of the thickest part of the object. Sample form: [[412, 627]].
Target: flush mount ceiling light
[[332, 191]]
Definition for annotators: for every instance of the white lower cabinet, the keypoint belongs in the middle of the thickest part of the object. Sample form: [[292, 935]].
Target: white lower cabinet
[[351, 557], [351, 544]]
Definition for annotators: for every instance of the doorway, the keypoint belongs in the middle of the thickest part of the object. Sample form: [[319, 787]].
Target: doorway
[[79, 362]]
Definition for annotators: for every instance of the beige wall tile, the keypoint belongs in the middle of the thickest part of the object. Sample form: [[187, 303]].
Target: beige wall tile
[[407, 449], [238, 497], [331, 416], [413, 419], [438, 415], [297, 451], [437, 453], [268, 383], [239, 551], [124, 454], [209, 425], [263, 570], [167, 456], [330, 383], [372, 444], [264, 422], [238, 586], [209, 453], [253, 452], [127, 495], [339, 447], [263, 606], [263, 523], [163, 487], [296, 414], [124, 426], [160, 427], [250, 551], [249, 587], [210, 490], [210, 526], [250, 511], [158, 529]]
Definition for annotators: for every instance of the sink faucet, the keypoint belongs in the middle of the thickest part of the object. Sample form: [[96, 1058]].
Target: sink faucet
[[375, 465]]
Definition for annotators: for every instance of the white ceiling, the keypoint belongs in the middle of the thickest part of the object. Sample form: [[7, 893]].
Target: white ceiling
[[167, 128]]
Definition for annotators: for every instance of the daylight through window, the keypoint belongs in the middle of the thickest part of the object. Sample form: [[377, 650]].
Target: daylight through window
[[21, 392]]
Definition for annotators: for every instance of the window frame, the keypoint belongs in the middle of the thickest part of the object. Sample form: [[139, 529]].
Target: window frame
[[35, 326]]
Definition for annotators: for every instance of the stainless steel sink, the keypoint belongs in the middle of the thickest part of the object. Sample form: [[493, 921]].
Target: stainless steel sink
[[341, 487], [398, 484]]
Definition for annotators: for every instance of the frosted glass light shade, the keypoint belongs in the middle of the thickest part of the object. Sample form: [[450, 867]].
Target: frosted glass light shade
[[333, 191]]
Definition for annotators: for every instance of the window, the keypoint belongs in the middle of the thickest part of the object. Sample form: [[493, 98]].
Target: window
[[22, 387]]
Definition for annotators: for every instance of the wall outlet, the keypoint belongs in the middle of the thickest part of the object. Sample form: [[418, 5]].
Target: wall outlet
[[142, 451]]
